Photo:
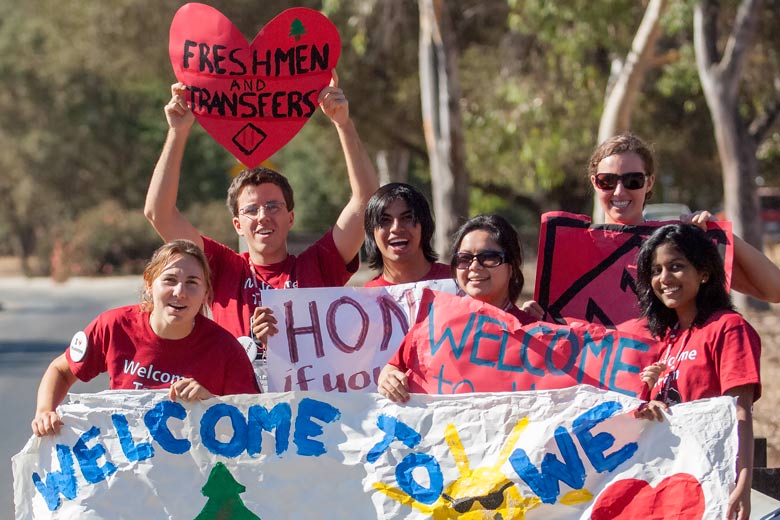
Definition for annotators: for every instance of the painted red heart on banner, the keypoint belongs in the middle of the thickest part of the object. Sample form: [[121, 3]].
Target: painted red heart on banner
[[679, 496], [253, 98]]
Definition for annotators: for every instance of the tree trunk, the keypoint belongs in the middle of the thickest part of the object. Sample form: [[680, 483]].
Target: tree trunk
[[720, 79], [626, 79], [393, 165], [442, 124]]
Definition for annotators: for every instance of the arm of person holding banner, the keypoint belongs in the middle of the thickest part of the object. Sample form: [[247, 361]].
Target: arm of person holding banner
[[739, 500], [54, 386], [651, 410], [160, 207], [263, 325], [533, 308], [348, 233], [753, 273], [188, 389]]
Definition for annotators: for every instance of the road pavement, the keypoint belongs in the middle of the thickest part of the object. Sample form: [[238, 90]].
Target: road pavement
[[37, 320]]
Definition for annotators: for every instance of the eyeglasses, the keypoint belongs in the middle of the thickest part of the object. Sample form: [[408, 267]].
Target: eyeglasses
[[490, 502], [630, 180], [485, 259], [271, 207]]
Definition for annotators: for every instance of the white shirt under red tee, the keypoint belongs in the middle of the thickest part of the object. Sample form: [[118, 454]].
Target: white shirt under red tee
[[438, 271], [121, 342]]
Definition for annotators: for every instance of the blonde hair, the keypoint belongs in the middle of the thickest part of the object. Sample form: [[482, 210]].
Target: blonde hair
[[161, 257]]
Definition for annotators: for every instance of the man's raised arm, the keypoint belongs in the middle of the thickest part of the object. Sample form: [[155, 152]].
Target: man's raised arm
[[160, 208], [348, 233]]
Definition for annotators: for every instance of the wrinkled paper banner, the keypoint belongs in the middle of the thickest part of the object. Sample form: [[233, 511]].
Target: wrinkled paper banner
[[573, 453]]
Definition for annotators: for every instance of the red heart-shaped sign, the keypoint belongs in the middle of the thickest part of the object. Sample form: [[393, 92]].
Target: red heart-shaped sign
[[253, 98], [679, 496]]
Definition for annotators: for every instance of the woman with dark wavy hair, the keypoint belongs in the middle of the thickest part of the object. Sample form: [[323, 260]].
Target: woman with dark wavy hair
[[487, 265], [399, 229], [707, 348]]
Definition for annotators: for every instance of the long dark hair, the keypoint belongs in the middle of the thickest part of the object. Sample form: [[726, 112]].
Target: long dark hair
[[701, 252], [421, 213], [502, 232]]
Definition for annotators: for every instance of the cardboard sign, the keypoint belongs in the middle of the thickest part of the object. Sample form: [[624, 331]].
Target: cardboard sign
[[253, 98], [577, 453], [588, 272], [464, 345], [337, 339]]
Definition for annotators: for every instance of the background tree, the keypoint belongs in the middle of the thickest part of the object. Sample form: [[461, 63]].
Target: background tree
[[442, 125], [626, 80], [739, 127], [81, 121]]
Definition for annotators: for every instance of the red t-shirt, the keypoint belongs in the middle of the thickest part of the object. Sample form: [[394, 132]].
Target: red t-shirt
[[706, 361], [121, 342], [438, 271], [237, 288]]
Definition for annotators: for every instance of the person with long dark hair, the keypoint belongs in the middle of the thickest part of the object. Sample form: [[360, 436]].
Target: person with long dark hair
[[707, 348], [399, 229]]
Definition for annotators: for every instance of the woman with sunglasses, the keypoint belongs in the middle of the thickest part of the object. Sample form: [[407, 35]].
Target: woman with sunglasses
[[487, 264], [622, 171]]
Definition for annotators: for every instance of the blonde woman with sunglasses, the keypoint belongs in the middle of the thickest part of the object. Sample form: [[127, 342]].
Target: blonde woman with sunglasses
[[622, 172]]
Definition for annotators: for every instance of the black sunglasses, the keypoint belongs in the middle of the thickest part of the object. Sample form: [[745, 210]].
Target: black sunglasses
[[490, 502], [485, 259], [630, 180]]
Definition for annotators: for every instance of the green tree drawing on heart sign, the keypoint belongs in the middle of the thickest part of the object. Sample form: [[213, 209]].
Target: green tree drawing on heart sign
[[297, 29]]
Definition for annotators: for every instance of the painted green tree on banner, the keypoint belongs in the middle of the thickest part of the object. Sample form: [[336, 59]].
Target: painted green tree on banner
[[223, 502], [297, 29]]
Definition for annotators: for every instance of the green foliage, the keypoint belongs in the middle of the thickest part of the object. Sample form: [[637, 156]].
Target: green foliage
[[314, 164], [106, 239], [82, 90], [213, 219]]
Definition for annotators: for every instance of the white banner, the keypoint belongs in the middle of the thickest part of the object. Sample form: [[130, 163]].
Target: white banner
[[572, 453], [338, 339]]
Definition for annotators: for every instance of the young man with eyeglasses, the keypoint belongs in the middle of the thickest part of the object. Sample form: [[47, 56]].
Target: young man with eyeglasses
[[261, 202]]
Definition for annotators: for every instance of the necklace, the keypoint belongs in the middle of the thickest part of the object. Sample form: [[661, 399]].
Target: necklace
[[674, 371]]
